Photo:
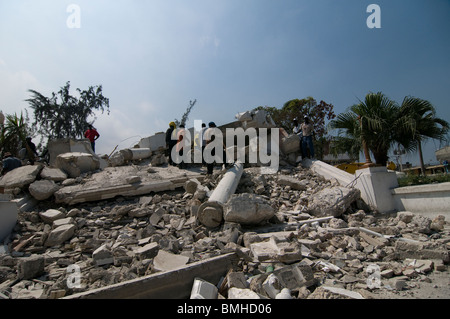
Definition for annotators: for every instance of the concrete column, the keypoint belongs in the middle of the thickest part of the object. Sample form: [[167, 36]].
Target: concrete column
[[136, 153], [376, 185], [210, 213]]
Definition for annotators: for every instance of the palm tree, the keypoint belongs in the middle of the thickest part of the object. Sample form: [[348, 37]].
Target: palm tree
[[373, 123], [349, 135], [420, 119], [14, 133]]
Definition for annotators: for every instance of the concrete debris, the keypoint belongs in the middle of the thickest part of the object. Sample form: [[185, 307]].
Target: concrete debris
[[333, 201], [202, 289], [20, 177], [291, 235], [76, 163], [44, 189], [248, 209]]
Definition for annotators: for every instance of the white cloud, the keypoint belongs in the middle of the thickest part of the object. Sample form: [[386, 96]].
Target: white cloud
[[14, 88]]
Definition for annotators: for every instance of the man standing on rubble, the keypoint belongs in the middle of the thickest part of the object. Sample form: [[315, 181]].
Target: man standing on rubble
[[183, 145], [31, 152], [209, 137], [171, 140], [92, 135], [307, 142]]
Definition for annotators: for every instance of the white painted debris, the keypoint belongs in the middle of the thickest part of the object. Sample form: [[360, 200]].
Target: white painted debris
[[201, 289]]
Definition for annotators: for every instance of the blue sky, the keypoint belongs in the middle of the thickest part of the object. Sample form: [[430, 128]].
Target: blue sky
[[153, 56]]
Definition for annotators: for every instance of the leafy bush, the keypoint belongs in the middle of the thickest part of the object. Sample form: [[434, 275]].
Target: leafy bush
[[411, 180]]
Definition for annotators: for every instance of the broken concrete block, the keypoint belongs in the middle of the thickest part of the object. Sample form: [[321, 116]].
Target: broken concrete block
[[343, 293], [148, 251], [376, 242], [399, 283], [293, 182], [21, 176], [42, 190], [63, 221], [438, 223], [285, 293], [74, 164], [60, 234], [290, 144], [405, 217], [416, 251], [116, 159], [53, 174], [156, 216], [337, 223], [420, 265], [248, 209], [201, 289], [272, 286], [50, 215], [191, 185], [332, 201], [263, 251], [139, 212], [237, 279], [158, 160], [439, 265], [289, 252], [132, 179], [238, 293], [284, 252], [165, 261], [30, 267], [103, 256], [295, 276], [422, 223]]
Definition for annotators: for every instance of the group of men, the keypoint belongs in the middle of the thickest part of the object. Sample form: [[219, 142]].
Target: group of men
[[28, 153], [175, 137]]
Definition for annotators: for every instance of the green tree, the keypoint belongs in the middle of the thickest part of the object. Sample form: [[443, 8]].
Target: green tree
[[348, 139], [374, 122], [14, 131], [319, 114], [381, 123], [66, 116], [420, 119]]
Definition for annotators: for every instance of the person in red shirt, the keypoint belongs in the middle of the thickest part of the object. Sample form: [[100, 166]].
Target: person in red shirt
[[92, 135]]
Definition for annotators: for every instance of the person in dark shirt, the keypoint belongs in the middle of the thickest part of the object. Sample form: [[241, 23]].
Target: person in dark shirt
[[31, 147], [10, 163], [171, 140]]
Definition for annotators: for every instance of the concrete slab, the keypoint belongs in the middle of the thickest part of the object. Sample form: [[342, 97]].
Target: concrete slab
[[8, 218], [115, 181], [175, 284]]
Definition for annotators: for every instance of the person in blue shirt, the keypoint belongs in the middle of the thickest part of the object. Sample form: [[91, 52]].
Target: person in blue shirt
[[10, 163]]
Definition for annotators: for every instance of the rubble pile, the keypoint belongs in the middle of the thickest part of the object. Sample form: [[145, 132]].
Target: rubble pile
[[301, 237]]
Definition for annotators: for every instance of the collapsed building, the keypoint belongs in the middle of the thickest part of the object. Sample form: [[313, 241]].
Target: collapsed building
[[131, 226]]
